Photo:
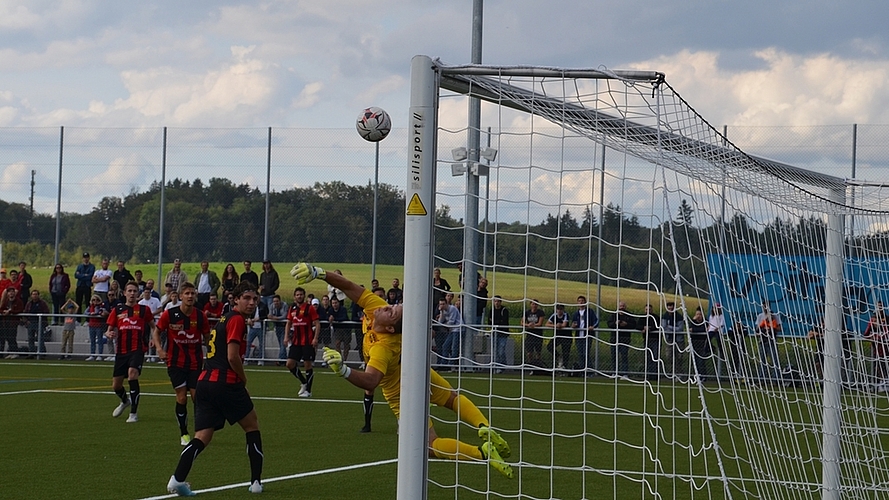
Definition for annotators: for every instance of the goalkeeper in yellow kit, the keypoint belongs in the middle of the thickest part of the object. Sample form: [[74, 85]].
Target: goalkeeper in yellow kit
[[382, 349]]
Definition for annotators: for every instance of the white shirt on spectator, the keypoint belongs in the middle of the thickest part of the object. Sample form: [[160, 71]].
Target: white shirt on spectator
[[204, 283], [102, 286], [153, 303]]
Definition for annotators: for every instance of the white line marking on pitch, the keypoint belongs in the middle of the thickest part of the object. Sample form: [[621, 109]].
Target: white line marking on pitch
[[281, 478]]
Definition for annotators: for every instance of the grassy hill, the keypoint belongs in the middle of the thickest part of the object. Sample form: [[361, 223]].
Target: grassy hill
[[512, 287]]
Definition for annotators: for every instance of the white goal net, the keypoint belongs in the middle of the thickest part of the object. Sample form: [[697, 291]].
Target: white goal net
[[685, 320]]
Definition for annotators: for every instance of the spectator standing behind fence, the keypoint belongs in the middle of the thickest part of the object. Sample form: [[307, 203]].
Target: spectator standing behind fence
[[176, 276], [500, 331], [5, 282], [230, 279], [440, 287], [481, 303], [97, 317], [59, 285], [137, 277], [257, 332], [16, 282], [332, 291], [356, 313], [25, 280], [768, 326], [715, 330], [268, 283], [877, 332], [651, 330], [399, 293], [673, 322], [560, 345], [323, 307], [84, 277], [584, 322], [816, 333], [10, 308], [622, 324], [113, 301], [533, 321], [278, 314], [449, 317], [101, 280], [149, 284], [207, 284], [342, 334], [35, 324], [248, 275], [69, 327], [700, 344], [153, 303], [123, 276], [213, 310]]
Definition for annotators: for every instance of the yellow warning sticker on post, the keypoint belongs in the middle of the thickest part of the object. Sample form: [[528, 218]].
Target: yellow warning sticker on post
[[415, 207]]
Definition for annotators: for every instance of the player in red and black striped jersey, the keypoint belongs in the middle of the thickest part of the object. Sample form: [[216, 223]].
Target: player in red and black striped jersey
[[186, 328], [131, 324], [303, 327], [221, 393]]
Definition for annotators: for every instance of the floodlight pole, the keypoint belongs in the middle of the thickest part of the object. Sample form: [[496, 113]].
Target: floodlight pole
[[160, 235], [268, 188], [373, 247], [470, 238], [59, 195]]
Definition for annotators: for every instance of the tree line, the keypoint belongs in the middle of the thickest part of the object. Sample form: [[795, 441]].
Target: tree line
[[221, 221]]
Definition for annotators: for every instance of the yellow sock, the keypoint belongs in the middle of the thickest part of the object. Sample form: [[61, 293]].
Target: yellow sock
[[451, 449], [469, 413]]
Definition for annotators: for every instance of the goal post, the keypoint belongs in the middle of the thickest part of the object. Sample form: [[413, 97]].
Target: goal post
[[687, 320], [419, 213]]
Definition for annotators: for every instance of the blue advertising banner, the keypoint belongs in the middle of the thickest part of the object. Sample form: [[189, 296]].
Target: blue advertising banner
[[794, 287]]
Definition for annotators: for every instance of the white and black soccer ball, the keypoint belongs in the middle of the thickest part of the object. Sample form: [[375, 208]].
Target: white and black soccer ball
[[373, 124]]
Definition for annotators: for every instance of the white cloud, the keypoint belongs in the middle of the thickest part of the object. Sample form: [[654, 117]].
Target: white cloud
[[309, 96], [786, 89]]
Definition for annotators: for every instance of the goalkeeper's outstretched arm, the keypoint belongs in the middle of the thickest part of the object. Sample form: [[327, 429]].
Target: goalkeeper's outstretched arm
[[367, 380], [304, 272]]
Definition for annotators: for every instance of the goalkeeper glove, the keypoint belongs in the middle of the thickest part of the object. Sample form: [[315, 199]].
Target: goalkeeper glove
[[305, 272], [335, 361]]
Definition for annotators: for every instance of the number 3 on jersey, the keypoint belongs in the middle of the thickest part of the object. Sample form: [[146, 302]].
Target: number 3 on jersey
[[211, 344]]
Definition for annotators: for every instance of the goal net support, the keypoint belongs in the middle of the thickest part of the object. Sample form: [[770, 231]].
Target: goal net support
[[686, 320]]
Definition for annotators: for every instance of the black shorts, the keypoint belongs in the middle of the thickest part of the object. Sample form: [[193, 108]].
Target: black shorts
[[217, 402], [123, 363], [183, 377], [301, 352]]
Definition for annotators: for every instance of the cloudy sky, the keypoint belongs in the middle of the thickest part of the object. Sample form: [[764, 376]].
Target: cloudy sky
[[315, 64]]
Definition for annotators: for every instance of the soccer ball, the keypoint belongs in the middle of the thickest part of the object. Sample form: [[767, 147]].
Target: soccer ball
[[373, 124]]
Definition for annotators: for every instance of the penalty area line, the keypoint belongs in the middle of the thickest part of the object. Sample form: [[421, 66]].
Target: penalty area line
[[281, 478]]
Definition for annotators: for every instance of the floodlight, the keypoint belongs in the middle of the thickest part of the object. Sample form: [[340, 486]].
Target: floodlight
[[489, 154], [460, 154], [458, 169]]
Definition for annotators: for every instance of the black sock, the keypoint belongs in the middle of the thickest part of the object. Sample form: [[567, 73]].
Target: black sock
[[368, 409], [254, 453], [310, 377], [187, 458], [182, 418], [134, 395], [298, 374], [122, 394]]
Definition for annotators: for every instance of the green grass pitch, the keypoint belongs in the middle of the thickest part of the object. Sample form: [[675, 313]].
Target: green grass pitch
[[60, 441]]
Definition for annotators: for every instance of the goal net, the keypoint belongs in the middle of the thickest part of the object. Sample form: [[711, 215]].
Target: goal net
[[685, 320]]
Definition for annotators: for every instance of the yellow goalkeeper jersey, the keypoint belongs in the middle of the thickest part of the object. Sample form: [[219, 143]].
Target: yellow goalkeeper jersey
[[382, 351]]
